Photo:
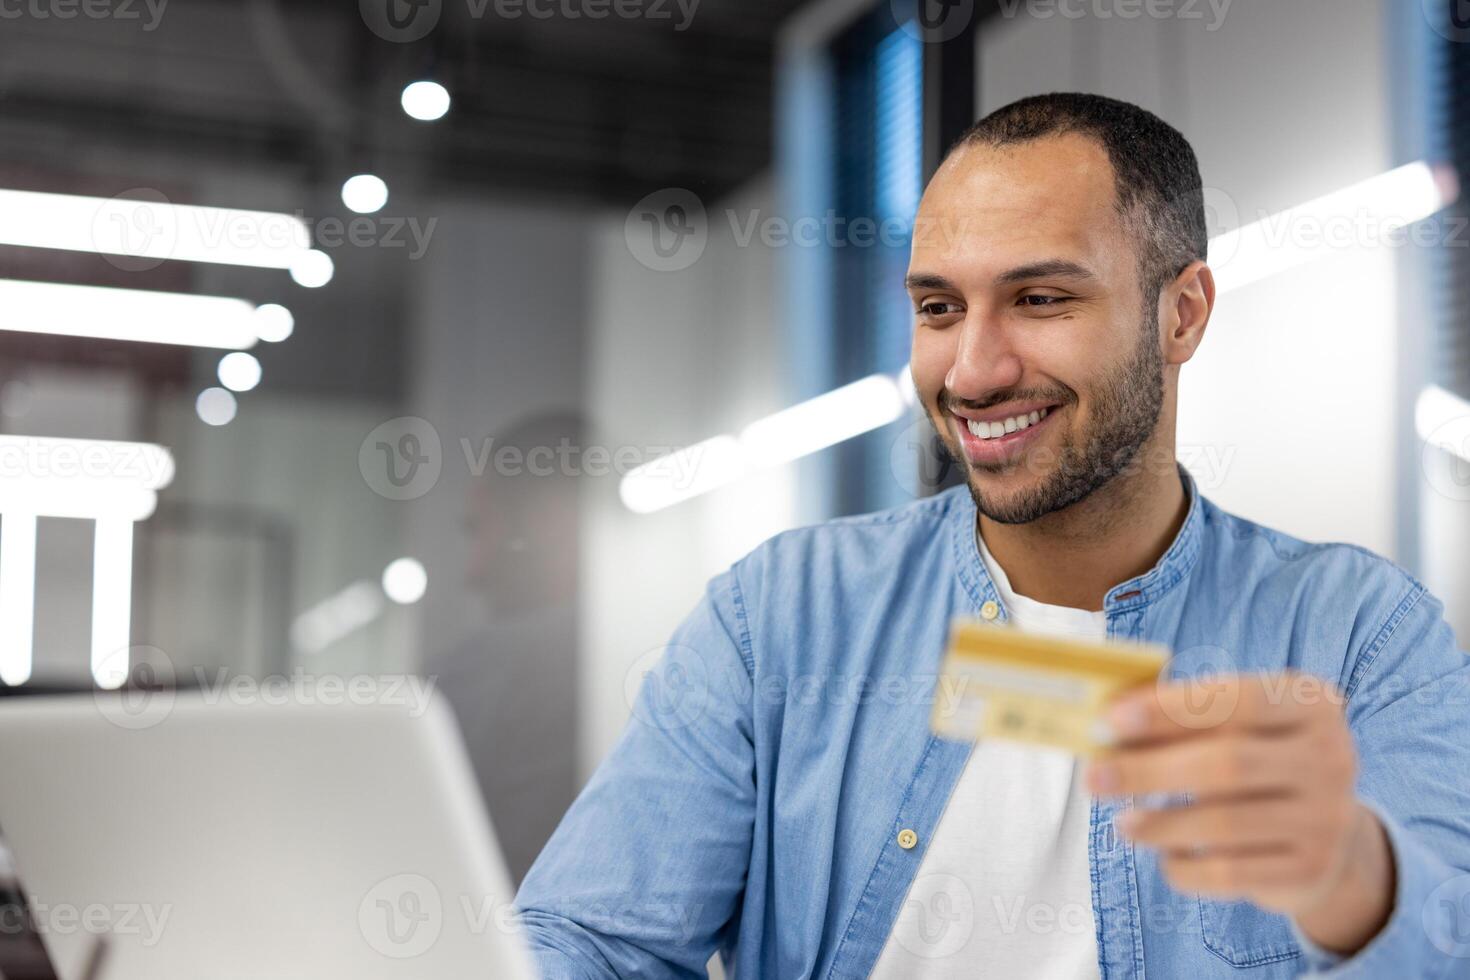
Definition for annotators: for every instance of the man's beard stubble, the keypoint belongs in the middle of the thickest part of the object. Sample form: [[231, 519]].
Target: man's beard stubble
[[1127, 408]]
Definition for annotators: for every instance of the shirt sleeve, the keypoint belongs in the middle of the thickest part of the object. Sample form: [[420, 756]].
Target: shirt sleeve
[[1409, 710], [644, 875]]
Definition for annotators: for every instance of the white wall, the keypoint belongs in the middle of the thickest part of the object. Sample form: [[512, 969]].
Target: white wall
[[286, 465], [498, 325], [674, 357], [1296, 388]]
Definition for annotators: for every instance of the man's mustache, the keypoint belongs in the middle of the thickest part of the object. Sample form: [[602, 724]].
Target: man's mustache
[[949, 403]]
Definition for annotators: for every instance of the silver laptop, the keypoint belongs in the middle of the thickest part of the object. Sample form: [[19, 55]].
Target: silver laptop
[[180, 837]]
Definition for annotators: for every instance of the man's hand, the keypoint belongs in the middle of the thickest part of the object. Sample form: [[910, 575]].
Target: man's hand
[[1269, 766]]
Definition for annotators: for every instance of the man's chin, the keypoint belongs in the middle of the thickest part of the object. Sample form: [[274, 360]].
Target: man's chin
[[1003, 492], [1010, 497]]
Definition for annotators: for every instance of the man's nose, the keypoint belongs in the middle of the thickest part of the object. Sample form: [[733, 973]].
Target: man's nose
[[984, 361]]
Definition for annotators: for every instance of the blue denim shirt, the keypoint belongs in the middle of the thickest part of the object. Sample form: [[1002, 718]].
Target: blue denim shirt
[[756, 802]]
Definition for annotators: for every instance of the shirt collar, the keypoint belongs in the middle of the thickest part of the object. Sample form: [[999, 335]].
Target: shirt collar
[[1167, 572]]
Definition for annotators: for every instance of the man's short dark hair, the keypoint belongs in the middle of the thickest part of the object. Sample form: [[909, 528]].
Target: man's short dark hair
[[1155, 173]]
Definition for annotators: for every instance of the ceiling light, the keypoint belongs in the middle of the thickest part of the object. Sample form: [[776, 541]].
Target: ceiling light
[[365, 193], [426, 101], [139, 315], [405, 581], [215, 406], [239, 371], [152, 229], [273, 322], [312, 269]]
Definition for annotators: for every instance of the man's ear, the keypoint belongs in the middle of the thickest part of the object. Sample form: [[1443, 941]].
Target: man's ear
[[1185, 306]]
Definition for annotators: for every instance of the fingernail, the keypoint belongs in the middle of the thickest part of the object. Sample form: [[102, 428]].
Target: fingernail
[[1128, 718], [1103, 777]]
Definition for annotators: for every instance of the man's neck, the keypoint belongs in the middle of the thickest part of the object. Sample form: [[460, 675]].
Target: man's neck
[[1074, 556]]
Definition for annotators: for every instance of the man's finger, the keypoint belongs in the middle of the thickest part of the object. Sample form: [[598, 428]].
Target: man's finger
[[1218, 825], [1208, 766], [1177, 709], [1237, 875]]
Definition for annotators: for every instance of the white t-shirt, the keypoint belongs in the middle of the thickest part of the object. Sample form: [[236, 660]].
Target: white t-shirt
[[1004, 889]]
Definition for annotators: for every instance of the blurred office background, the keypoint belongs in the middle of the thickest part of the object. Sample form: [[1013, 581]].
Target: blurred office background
[[637, 227]]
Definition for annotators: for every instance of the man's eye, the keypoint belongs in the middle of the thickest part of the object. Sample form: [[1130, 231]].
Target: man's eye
[[937, 309], [1038, 300]]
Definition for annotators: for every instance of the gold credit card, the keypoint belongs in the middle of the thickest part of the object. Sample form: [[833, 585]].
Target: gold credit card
[[998, 682]]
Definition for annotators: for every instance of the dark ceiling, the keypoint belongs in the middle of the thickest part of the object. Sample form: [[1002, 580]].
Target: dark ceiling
[[270, 103], [604, 109]]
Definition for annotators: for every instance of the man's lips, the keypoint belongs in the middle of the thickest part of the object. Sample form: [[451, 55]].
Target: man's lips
[[1010, 410], [1000, 435]]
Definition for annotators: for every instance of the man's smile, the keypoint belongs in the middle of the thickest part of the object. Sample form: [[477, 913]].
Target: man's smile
[[999, 435]]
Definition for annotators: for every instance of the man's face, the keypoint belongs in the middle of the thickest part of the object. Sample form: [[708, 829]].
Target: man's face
[[1033, 354]]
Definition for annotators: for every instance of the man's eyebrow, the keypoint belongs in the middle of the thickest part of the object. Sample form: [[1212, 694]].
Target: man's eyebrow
[[927, 280], [1046, 269]]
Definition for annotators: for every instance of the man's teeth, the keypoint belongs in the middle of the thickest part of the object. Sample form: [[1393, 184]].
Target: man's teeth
[[992, 430]]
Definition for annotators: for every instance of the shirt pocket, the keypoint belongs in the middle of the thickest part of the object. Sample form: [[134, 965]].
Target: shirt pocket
[[1244, 935]]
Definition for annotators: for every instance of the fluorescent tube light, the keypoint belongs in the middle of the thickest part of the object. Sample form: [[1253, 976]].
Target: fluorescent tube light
[[135, 315], [337, 617], [685, 473], [112, 483], [112, 601], [17, 596], [81, 478], [1442, 419], [152, 229], [826, 420], [1360, 215]]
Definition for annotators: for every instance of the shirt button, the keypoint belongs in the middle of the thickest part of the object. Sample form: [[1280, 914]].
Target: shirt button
[[907, 839], [990, 610]]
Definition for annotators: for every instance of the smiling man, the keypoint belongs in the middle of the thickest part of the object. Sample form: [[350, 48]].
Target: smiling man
[[1293, 796]]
